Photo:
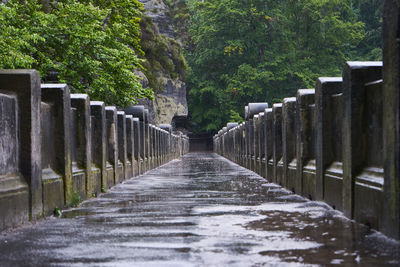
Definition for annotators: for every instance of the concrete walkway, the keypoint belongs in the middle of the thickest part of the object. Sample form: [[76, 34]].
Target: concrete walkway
[[200, 210]]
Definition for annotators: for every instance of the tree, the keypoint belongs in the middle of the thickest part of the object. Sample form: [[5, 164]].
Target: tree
[[92, 45], [263, 50]]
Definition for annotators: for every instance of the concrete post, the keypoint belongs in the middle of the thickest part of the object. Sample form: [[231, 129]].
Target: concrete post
[[20, 110], [112, 142], [130, 150], [289, 143], [121, 140], [391, 115], [137, 147], [306, 166], [82, 169], [139, 112], [329, 173], [355, 76], [56, 150], [269, 149], [277, 143], [147, 139], [261, 141], [99, 146]]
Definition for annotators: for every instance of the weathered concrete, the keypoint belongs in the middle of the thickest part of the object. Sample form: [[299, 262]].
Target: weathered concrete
[[146, 125], [14, 194], [56, 151], [130, 149], [289, 179], [112, 144], [277, 142], [99, 143], [24, 85], [137, 141], [355, 76], [82, 183], [122, 154], [269, 149], [201, 210], [391, 118], [305, 141], [138, 112], [329, 173]]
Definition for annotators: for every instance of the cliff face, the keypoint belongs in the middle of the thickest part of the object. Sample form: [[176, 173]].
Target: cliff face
[[165, 66]]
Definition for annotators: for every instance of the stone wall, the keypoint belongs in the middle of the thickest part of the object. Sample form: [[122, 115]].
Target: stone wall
[[339, 143], [57, 148]]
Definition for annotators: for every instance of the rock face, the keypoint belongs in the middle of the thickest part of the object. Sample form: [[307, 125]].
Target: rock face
[[171, 100], [157, 10]]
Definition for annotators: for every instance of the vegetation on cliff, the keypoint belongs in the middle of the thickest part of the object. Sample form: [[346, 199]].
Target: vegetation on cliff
[[161, 54]]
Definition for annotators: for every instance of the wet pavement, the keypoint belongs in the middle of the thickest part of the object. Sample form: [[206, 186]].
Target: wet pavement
[[200, 210]]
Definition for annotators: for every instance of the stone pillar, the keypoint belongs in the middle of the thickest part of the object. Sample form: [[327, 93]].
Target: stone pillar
[[243, 144], [157, 146], [261, 141], [122, 154], [253, 109], [137, 141], [82, 157], [55, 143], [130, 149], [21, 195], [168, 140], [99, 140], [329, 173], [255, 145], [356, 75], [112, 142], [231, 146], [269, 148], [147, 139], [139, 112], [152, 143], [289, 143], [277, 143], [391, 115], [306, 166]]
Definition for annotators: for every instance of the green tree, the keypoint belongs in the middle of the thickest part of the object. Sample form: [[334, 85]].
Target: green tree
[[251, 50], [92, 45]]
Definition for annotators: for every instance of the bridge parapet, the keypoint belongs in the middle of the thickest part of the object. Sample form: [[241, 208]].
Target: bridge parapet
[[58, 148]]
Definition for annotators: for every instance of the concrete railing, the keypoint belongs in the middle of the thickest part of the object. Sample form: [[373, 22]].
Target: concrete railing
[[337, 143], [325, 143], [58, 148]]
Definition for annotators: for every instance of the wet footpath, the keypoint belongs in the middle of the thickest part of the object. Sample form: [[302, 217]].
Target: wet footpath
[[199, 210]]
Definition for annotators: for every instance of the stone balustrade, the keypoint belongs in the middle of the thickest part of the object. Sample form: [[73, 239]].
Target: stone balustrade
[[57, 148]]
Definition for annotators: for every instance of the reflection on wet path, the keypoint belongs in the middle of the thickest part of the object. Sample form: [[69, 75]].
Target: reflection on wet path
[[200, 210]]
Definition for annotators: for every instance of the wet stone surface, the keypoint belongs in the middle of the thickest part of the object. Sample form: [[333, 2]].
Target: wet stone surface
[[200, 210]]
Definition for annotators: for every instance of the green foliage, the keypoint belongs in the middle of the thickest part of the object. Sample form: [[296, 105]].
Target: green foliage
[[91, 44], [57, 212], [75, 199], [264, 50]]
